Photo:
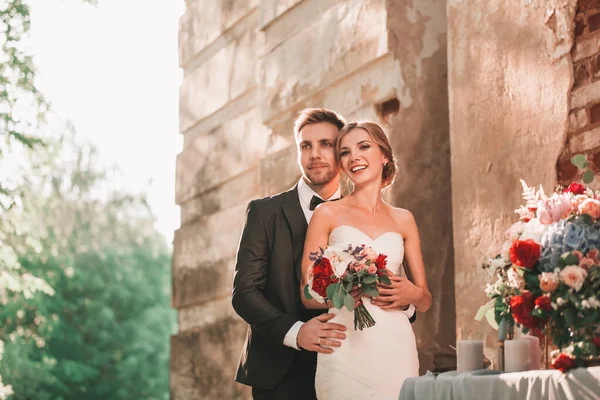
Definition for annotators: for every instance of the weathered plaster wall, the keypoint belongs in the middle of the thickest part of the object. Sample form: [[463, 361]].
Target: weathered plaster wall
[[510, 75]]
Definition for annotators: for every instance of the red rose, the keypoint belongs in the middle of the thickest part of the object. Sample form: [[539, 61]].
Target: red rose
[[543, 302], [381, 264], [563, 363], [521, 307], [575, 188], [323, 276], [525, 253], [596, 341]]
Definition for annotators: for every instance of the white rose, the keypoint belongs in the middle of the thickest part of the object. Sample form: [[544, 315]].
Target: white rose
[[534, 229]]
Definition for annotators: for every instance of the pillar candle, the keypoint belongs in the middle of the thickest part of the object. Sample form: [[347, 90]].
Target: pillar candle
[[534, 350], [469, 355], [517, 355]]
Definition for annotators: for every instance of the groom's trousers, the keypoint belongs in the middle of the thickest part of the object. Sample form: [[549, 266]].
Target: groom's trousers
[[297, 384]]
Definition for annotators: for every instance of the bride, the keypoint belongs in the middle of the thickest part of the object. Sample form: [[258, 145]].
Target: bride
[[372, 363]]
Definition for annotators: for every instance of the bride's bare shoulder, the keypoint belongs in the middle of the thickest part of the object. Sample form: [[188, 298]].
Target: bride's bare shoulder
[[327, 210], [402, 216]]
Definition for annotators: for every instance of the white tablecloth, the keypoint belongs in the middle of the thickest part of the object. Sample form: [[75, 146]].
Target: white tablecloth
[[578, 384]]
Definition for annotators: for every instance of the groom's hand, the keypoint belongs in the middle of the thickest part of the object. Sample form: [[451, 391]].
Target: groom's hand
[[318, 335]]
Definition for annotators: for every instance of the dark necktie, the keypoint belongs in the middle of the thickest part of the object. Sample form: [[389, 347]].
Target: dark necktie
[[314, 202]]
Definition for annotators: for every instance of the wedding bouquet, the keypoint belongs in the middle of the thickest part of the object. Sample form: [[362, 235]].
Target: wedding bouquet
[[547, 274], [334, 274]]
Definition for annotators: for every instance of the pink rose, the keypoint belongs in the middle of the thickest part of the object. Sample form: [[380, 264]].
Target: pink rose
[[372, 269], [590, 207], [554, 208], [548, 281], [369, 254], [593, 254], [357, 266], [573, 276], [586, 263]]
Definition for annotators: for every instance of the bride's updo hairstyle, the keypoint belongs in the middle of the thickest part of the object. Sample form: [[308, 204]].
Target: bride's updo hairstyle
[[378, 136]]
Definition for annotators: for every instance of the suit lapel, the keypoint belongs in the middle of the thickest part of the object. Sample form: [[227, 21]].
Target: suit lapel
[[297, 222]]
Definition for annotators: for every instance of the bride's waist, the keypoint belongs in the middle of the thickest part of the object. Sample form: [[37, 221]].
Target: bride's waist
[[372, 309]]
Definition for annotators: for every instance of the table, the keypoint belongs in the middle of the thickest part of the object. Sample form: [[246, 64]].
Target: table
[[578, 384]]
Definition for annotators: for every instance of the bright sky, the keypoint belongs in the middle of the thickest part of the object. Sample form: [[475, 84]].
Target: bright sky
[[112, 70]]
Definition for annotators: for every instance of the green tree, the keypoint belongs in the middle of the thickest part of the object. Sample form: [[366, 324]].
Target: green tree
[[104, 333], [22, 107]]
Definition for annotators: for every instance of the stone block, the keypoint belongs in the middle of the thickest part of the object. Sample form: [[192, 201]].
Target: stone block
[[192, 318], [577, 119], [279, 171], [215, 157], [354, 96], [272, 9], [292, 20], [197, 285], [349, 36], [204, 21], [226, 75], [587, 47], [584, 141], [204, 362], [585, 95], [209, 239], [240, 189]]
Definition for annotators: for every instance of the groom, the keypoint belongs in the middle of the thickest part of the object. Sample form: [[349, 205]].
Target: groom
[[279, 356]]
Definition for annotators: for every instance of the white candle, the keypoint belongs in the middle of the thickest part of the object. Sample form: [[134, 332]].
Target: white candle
[[517, 355], [469, 355], [534, 351]]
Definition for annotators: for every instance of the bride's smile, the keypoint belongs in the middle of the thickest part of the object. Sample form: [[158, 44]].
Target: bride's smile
[[361, 159]]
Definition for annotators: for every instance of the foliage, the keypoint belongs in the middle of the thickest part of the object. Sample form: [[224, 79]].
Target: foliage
[[104, 333]]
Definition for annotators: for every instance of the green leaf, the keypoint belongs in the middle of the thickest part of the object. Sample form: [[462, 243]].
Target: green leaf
[[385, 280], [484, 309], [569, 259], [369, 279], [331, 289], [570, 316], [349, 302], [588, 176], [491, 319], [307, 293], [349, 286], [370, 290], [579, 161]]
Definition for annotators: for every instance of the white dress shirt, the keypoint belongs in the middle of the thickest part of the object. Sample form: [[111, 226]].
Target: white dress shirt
[[306, 193]]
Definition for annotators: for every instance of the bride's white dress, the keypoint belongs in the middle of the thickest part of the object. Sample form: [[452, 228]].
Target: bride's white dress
[[372, 363]]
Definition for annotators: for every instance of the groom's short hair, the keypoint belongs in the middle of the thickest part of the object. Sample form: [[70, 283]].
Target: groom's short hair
[[310, 116]]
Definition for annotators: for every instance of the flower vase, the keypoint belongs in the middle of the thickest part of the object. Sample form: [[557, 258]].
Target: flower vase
[[506, 331]]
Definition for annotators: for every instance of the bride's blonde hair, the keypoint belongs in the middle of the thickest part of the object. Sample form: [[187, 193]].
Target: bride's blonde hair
[[380, 137]]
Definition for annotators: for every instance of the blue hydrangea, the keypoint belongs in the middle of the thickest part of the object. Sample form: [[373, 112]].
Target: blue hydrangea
[[565, 236]]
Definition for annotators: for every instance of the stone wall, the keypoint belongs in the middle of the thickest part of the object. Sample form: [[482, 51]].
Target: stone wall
[[584, 116], [249, 67], [510, 75]]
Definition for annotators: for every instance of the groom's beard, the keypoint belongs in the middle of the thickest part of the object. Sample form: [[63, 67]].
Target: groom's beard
[[322, 176]]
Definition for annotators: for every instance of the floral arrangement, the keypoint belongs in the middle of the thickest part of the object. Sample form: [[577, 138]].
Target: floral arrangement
[[547, 274], [335, 274]]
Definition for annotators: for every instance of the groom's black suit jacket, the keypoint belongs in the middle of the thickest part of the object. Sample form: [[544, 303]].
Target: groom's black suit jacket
[[266, 288]]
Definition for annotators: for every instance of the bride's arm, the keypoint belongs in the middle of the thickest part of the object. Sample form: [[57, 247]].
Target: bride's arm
[[412, 246], [317, 236]]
